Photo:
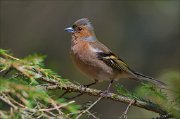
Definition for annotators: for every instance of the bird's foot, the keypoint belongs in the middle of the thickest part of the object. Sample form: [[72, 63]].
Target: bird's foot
[[105, 93]]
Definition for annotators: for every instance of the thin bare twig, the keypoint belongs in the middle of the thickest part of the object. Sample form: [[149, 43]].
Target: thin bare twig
[[57, 107], [4, 98], [16, 102], [92, 115], [86, 110], [124, 115]]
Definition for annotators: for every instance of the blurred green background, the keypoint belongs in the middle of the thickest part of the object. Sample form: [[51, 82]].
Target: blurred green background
[[146, 34]]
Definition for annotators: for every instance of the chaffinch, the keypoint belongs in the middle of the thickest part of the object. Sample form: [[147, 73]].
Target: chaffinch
[[96, 60]]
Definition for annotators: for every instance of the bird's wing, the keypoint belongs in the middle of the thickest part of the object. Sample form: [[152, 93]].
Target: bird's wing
[[116, 63], [109, 58]]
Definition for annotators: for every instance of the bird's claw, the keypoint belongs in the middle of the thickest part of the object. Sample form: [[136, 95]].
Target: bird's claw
[[105, 93]]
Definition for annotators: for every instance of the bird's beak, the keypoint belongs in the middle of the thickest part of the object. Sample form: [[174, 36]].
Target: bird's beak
[[69, 29]]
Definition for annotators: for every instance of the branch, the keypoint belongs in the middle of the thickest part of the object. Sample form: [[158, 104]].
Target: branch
[[54, 82], [112, 96]]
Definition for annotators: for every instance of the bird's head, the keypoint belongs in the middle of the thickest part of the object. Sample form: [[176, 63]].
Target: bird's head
[[83, 29]]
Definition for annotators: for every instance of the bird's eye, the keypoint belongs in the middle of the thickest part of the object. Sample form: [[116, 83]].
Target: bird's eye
[[79, 28]]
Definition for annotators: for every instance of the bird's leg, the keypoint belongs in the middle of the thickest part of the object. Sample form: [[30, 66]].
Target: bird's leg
[[86, 86], [108, 88]]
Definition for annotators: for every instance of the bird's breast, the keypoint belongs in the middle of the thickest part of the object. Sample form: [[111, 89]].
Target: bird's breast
[[87, 62]]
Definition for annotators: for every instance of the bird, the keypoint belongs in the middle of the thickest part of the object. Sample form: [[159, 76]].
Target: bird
[[96, 60]]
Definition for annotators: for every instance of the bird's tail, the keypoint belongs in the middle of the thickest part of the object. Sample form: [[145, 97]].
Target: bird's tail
[[150, 79]]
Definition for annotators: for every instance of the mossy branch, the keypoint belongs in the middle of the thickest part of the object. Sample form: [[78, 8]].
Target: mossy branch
[[35, 72]]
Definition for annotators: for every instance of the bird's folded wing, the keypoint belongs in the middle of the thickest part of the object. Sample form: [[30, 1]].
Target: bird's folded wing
[[116, 63], [109, 58]]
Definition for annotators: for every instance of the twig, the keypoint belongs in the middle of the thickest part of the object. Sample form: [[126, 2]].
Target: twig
[[86, 110], [4, 98], [57, 107], [164, 117], [92, 115], [63, 94], [2, 70], [17, 103], [78, 95], [8, 71], [124, 115], [9, 56]]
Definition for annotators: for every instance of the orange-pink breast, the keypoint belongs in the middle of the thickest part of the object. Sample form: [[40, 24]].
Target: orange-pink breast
[[87, 62]]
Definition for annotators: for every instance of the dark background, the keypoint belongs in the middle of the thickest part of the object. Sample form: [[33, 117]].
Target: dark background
[[143, 33]]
